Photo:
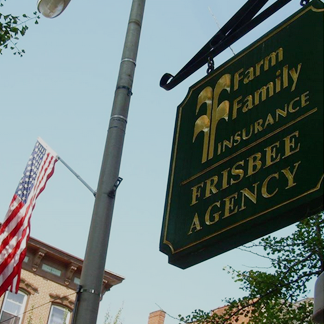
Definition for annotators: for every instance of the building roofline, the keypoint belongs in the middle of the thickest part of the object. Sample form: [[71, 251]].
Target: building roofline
[[73, 265], [60, 254]]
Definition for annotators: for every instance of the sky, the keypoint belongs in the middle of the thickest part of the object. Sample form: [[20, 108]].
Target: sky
[[62, 90]]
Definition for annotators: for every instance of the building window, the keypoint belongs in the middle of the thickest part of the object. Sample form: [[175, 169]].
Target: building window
[[76, 280], [13, 308], [59, 315], [52, 270]]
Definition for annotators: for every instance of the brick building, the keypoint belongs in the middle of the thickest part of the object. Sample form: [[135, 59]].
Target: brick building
[[48, 285], [158, 317]]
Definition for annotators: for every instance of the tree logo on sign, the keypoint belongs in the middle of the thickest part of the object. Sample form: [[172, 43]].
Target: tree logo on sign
[[215, 112]]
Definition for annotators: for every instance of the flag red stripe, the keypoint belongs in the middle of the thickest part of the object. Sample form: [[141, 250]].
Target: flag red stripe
[[48, 175], [12, 215], [16, 269], [14, 233], [7, 282], [15, 230], [14, 251]]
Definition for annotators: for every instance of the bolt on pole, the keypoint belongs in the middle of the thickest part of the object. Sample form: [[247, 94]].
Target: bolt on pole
[[87, 304]]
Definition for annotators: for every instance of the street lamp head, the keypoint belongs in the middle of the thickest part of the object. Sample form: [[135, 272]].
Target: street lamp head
[[51, 8]]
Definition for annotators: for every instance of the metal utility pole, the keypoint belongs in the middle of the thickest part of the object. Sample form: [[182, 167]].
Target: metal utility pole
[[87, 305]]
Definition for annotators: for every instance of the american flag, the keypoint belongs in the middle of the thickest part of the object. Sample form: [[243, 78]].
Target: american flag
[[15, 230]]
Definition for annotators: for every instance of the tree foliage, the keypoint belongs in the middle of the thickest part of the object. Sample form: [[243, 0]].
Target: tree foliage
[[110, 319], [12, 28], [273, 297]]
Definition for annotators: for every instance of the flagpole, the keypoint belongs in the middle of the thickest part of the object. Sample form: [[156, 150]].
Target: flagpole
[[70, 169], [95, 257]]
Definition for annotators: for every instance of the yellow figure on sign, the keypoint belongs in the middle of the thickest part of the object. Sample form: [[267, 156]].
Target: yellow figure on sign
[[215, 112], [203, 122]]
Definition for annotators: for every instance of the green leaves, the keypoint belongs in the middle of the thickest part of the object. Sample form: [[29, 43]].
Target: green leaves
[[272, 296], [109, 319], [11, 28]]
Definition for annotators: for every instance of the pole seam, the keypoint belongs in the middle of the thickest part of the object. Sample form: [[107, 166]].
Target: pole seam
[[128, 60]]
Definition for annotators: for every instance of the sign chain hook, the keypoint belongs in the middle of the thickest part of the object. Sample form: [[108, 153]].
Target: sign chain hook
[[210, 64]]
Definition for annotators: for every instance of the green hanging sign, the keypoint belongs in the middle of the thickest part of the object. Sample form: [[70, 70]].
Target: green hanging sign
[[247, 155]]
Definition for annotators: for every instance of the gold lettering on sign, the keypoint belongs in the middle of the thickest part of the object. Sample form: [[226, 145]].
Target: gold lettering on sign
[[196, 190], [242, 199], [214, 108], [228, 177], [290, 144], [271, 154], [254, 71], [195, 224], [230, 207], [260, 125], [285, 78], [216, 216], [290, 176], [249, 194], [264, 189]]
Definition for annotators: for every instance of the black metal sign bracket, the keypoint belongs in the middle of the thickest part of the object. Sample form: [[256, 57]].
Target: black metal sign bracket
[[239, 25]]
